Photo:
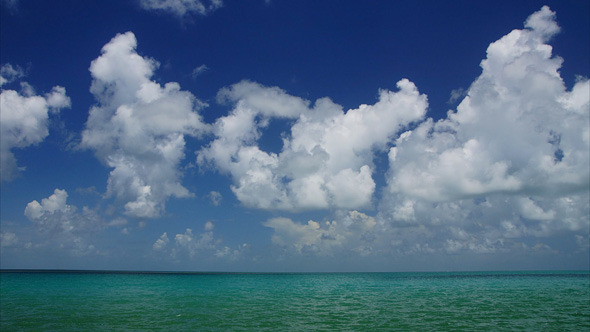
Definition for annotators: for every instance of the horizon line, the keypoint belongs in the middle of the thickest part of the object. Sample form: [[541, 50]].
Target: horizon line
[[116, 271]]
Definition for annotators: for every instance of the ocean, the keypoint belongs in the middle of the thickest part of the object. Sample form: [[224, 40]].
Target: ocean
[[450, 301]]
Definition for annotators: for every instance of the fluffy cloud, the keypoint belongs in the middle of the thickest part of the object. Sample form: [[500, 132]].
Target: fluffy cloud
[[183, 8], [138, 128], [63, 224], [517, 131], [24, 118], [326, 161]]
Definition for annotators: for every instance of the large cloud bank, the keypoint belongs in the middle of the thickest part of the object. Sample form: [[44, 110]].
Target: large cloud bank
[[138, 128], [503, 173], [518, 131]]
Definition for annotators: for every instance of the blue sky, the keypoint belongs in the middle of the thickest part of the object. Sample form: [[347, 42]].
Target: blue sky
[[295, 135]]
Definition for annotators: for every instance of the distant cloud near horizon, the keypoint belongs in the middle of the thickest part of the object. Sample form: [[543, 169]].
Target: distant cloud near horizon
[[68, 228]]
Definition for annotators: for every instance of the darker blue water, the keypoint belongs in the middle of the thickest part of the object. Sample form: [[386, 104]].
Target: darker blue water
[[553, 301]]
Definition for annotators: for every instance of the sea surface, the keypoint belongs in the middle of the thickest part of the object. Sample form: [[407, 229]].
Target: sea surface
[[471, 301]]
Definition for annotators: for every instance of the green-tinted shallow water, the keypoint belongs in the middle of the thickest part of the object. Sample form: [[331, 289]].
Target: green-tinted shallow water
[[534, 301]]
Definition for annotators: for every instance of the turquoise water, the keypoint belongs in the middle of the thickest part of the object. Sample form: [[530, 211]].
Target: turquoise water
[[533, 301]]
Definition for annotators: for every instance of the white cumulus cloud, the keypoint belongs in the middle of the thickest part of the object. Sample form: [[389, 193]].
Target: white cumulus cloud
[[509, 166], [326, 161], [517, 131], [138, 128], [24, 118]]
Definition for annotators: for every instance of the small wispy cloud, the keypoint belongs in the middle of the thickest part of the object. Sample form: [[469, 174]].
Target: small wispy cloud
[[200, 70], [215, 198], [457, 94], [182, 8], [10, 73], [10, 5]]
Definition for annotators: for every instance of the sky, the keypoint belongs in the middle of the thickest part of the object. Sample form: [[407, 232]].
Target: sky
[[295, 136]]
